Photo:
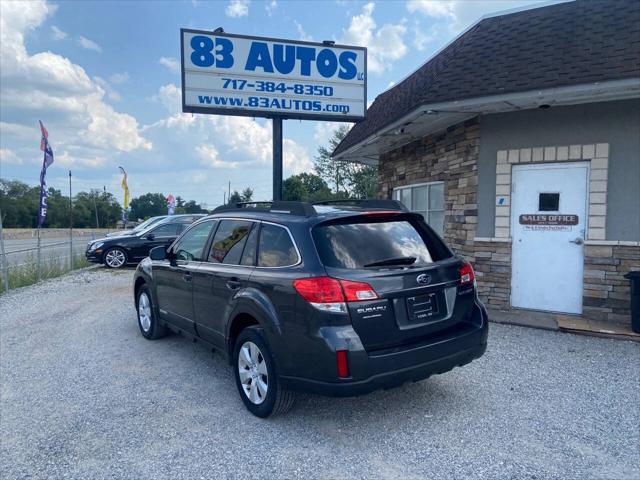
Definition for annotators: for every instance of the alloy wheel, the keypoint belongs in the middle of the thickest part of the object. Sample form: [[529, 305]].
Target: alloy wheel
[[115, 258], [252, 369], [144, 312]]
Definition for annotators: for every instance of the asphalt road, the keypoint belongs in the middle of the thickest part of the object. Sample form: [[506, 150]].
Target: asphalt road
[[83, 395], [52, 248]]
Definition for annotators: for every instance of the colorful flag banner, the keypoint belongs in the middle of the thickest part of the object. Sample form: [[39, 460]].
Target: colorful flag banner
[[171, 204], [46, 163], [125, 189]]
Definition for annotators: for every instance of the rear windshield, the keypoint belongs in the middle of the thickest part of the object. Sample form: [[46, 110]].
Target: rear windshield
[[385, 244]]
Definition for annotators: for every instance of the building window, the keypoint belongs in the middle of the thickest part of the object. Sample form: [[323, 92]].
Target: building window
[[426, 199]]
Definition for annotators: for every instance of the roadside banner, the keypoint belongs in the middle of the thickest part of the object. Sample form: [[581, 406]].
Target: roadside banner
[[171, 204], [46, 163], [125, 189]]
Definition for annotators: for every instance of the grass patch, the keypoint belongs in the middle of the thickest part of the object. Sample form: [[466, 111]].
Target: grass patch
[[50, 267]]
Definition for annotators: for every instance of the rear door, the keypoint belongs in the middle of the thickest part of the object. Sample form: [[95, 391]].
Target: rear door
[[415, 275]]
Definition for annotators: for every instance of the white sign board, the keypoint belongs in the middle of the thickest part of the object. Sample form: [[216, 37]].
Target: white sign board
[[264, 77]]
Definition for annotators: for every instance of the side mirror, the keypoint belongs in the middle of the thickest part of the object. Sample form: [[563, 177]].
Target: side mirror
[[158, 253], [151, 236]]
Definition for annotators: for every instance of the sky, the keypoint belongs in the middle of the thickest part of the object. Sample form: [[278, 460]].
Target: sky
[[104, 77]]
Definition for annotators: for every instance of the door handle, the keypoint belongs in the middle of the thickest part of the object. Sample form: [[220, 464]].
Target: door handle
[[233, 283], [577, 241], [187, 276]]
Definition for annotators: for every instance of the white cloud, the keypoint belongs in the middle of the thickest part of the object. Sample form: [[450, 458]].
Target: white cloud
[[119, 78], [171, 63], [69, 160], [302, 34], [9, 157], [89, 44], [385, 44], [243, 141], [433, 8], [323, 131], [111, 93], [270, 7], [460, 14], [237, 8], [50, 87], [57, 34], [209, 157], [170, 96]]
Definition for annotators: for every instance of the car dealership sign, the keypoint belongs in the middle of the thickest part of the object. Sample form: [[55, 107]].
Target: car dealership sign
[[251, 76]]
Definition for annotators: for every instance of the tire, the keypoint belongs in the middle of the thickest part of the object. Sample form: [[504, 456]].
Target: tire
[[147, 319], [276, 401], [115, 257]]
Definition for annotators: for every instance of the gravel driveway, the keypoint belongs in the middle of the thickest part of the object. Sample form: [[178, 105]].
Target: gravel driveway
[[83, 395]]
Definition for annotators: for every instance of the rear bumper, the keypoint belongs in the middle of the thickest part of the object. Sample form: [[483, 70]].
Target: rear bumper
[[394, 367]]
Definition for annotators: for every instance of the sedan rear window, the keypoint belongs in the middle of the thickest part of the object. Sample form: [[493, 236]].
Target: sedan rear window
[[386, 244]]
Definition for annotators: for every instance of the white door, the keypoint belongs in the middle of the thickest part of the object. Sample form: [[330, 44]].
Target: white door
[[548, 224]]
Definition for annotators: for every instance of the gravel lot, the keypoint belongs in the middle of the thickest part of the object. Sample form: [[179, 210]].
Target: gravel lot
[[83, 395]]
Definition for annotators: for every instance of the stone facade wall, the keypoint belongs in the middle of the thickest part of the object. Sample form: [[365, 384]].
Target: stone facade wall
[[450, 157], [492, 264], [606, 291]]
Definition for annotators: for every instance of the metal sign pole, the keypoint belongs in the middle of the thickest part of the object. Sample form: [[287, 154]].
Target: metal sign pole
[[277, 158]]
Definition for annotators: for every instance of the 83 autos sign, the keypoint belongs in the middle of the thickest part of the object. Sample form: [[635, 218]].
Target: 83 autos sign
[[252, 76]]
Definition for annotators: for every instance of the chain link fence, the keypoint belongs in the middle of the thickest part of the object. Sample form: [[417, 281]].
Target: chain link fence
[[26, 259]]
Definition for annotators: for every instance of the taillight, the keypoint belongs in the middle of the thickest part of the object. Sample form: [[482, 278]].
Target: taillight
[[357, 291], [330, 294], [466, 274], [319, 289], [342, 361]]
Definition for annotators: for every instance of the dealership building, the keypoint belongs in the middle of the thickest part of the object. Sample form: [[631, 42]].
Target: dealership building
[[520, 143]]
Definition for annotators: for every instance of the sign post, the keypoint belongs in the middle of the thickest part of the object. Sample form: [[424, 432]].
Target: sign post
[[225, 74]]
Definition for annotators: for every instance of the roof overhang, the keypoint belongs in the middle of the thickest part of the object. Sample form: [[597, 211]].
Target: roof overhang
[[431, 118]]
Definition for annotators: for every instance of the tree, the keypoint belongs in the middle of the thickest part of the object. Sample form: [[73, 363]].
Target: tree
[[148, 205], [333, 172], [192, 207], [347, 180], [316, 187], [235, 197], [294, 190], [247, 194]]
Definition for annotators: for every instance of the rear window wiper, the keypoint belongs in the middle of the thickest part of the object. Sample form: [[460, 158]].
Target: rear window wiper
[[392, 261]]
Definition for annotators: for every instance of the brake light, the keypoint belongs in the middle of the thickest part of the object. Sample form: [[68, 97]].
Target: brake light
[[319, 289], [330, 294], [357, 291], [466, 274], [342, 361], [381, 213]]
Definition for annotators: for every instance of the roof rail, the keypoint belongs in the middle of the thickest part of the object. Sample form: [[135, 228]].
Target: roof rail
[[367, 203], [303, 209]]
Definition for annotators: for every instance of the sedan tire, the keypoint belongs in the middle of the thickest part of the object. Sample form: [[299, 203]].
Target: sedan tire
[[115, 258]]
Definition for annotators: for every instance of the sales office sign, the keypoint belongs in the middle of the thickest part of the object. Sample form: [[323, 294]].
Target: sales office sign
[[253, 76]]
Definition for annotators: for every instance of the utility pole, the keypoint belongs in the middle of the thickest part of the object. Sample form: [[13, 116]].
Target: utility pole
[[229, 194], [95, 207], [104, 192], [70, 225]]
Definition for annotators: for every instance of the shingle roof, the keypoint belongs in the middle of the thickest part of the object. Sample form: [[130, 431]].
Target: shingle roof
[[573, 43]]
